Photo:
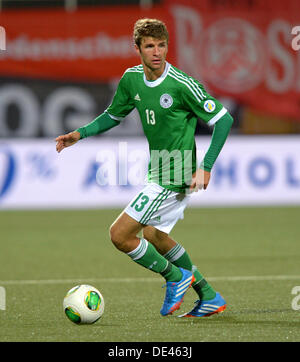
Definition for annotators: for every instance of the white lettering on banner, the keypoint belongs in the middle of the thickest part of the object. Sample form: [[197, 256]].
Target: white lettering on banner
[[205, 53], [98, 46], [28, 107], [296, 40], [57, 102], [188, 27], [108, 173], [280, 82], [49, 117]]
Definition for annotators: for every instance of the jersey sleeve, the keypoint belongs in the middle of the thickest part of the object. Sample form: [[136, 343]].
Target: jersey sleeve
[[202, 104], [122, 104]]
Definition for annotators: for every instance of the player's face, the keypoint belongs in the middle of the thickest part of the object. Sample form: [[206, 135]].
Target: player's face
[[153, 53]]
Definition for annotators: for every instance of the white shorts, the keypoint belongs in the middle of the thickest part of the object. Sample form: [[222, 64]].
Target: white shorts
[[158, 207]]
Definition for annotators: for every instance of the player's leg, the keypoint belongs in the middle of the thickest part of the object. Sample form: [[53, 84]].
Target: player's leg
[[162, 241], [178, 256], [210, 302], [123, 234]]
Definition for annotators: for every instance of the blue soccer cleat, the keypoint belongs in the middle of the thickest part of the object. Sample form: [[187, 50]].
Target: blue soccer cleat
[[175, 292], [205, 308]]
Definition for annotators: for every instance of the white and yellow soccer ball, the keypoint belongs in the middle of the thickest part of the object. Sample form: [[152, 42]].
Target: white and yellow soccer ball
[[83, 304]]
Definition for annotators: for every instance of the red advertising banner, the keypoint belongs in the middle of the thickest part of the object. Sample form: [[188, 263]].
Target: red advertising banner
[[243, 51], [90, 45]]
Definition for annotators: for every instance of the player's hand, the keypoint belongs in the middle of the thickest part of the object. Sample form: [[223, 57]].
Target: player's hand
[[200, 180], [66, 140]]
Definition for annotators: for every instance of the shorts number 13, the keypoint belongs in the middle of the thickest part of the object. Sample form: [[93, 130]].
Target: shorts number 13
[[143, 199]]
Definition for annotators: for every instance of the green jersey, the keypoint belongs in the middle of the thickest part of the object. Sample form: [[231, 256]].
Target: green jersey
[[168, 107]]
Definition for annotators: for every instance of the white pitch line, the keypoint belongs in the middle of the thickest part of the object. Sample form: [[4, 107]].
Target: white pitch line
[[254, 278], [145, 280], [78, 281]]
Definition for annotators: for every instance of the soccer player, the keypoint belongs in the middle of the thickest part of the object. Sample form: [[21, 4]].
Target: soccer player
[[169, 103]]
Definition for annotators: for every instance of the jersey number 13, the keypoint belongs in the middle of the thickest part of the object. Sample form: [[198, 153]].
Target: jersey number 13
[[150, 115]]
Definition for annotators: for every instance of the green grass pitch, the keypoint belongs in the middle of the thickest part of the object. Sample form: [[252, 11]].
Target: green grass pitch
[[250, 255]]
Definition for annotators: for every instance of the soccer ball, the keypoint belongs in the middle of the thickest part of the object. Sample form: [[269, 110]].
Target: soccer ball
[[83, 304]]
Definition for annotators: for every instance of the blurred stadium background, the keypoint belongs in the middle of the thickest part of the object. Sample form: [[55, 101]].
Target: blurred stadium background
[[59, 70]]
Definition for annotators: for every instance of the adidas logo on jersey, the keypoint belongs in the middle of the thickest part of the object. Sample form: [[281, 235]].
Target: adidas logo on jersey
[[137, 97]]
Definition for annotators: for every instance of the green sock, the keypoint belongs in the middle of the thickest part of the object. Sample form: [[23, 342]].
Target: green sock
[[147, 256], [179, 257]]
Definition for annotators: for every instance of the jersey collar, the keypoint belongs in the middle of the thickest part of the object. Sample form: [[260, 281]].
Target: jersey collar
[[159, 80]]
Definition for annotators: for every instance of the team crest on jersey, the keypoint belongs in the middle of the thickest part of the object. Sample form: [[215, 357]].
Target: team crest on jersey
[[166, 100], [209, 106]]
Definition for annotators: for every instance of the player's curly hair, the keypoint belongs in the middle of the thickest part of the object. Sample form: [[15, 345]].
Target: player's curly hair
[[149, 27]]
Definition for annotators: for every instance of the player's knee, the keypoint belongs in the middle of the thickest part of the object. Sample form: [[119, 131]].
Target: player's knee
[[120, 240], [116, 237]]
